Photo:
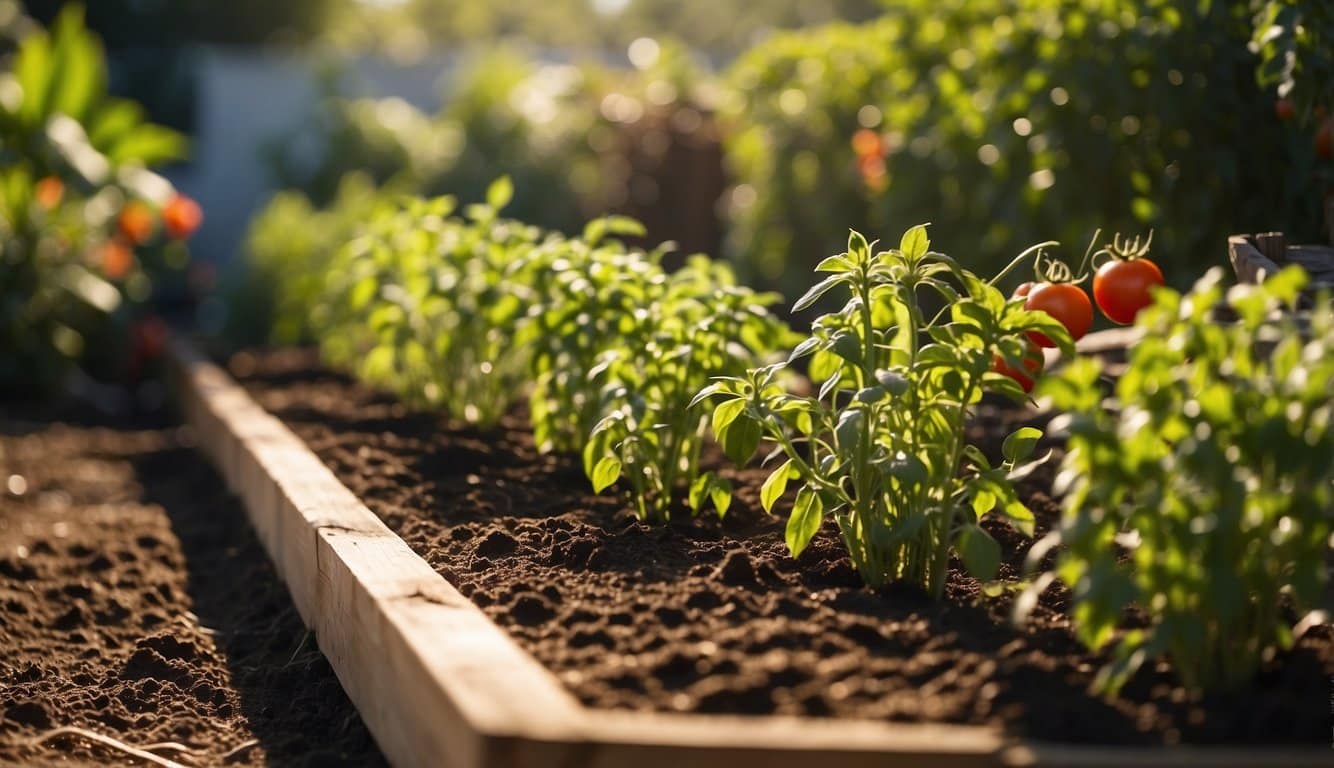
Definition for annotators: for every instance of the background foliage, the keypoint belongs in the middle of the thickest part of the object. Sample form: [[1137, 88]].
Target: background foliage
[[1008, 122]]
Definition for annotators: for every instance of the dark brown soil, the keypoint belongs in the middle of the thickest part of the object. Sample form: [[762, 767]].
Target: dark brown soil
[[705, 616], [137, 604]]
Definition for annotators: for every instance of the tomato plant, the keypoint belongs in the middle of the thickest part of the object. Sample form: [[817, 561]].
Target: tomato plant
[[1024, 374], [881, 447], [1202, 497], [70, 156], [1123, 285], [995, 115]]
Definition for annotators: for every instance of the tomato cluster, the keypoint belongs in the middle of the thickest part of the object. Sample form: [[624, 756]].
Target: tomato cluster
[[1122, 286]]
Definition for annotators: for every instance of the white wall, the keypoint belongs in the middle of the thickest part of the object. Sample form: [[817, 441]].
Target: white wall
[[248, 97]]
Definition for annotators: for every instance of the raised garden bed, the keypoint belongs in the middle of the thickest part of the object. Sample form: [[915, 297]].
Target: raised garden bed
[[653, 641], [136, 606]]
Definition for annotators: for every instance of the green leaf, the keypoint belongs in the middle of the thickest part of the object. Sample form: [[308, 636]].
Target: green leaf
[[775, 485], [148, 144], [113, 120], [721, 495], [500, 193], [915, 243], [816, 291], [1021, 517], [699, 491], [849, 429], [726, 413], [857, 246], [34, 69], [626, 226], [1020, 444], [607, 470], [740, 438], [980, 553], [836, 263], [848, 346], [807, 513]]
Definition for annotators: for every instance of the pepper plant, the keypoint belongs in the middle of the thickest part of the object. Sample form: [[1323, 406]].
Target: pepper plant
[[881, 448], [1203, 498], [422, 305], [591, 300], [702, 325]]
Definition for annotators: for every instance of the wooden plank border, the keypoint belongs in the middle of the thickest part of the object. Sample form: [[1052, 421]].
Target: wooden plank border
[[439, 684]]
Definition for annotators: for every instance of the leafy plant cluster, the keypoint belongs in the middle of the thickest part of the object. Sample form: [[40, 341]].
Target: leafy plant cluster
[[995, 118], [881, 447], [1202, 497], [85, 229], [465, 311]]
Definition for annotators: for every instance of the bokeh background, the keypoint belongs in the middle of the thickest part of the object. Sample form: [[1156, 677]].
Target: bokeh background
[[759, 130]]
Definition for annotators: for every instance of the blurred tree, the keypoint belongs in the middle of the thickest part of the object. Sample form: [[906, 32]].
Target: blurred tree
[[170, 23], [720, 28]]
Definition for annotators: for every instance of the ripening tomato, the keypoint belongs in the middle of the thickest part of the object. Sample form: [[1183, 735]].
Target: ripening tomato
[[1033, 362], [866, 142], [1023, 290], [1122, 288], [49, 192], [1067, 303], [136, 222], [1324, 140], [117, 259], [181, 216], [1284, 110]]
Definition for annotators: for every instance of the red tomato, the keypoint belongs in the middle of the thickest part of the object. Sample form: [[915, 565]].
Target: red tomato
[[49, 192], [181, 216], [1121, 288], [1324, 140], [1065, 302], [1284, 109], [1033, 362], [867, 142], [117, 259], [1023, 290], [136, 222]]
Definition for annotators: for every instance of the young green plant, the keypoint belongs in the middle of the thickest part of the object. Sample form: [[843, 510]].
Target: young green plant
[[881, 447], [1202, 497]]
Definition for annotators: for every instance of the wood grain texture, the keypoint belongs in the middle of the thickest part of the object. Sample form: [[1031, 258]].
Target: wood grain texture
[[438, 684]]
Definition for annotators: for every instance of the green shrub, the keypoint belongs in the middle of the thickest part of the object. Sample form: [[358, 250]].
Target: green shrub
[[1005, 122], [1203, 498]]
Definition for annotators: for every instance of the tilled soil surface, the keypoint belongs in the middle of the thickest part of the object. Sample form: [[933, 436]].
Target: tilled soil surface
[[710, 616], [136, 603]]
